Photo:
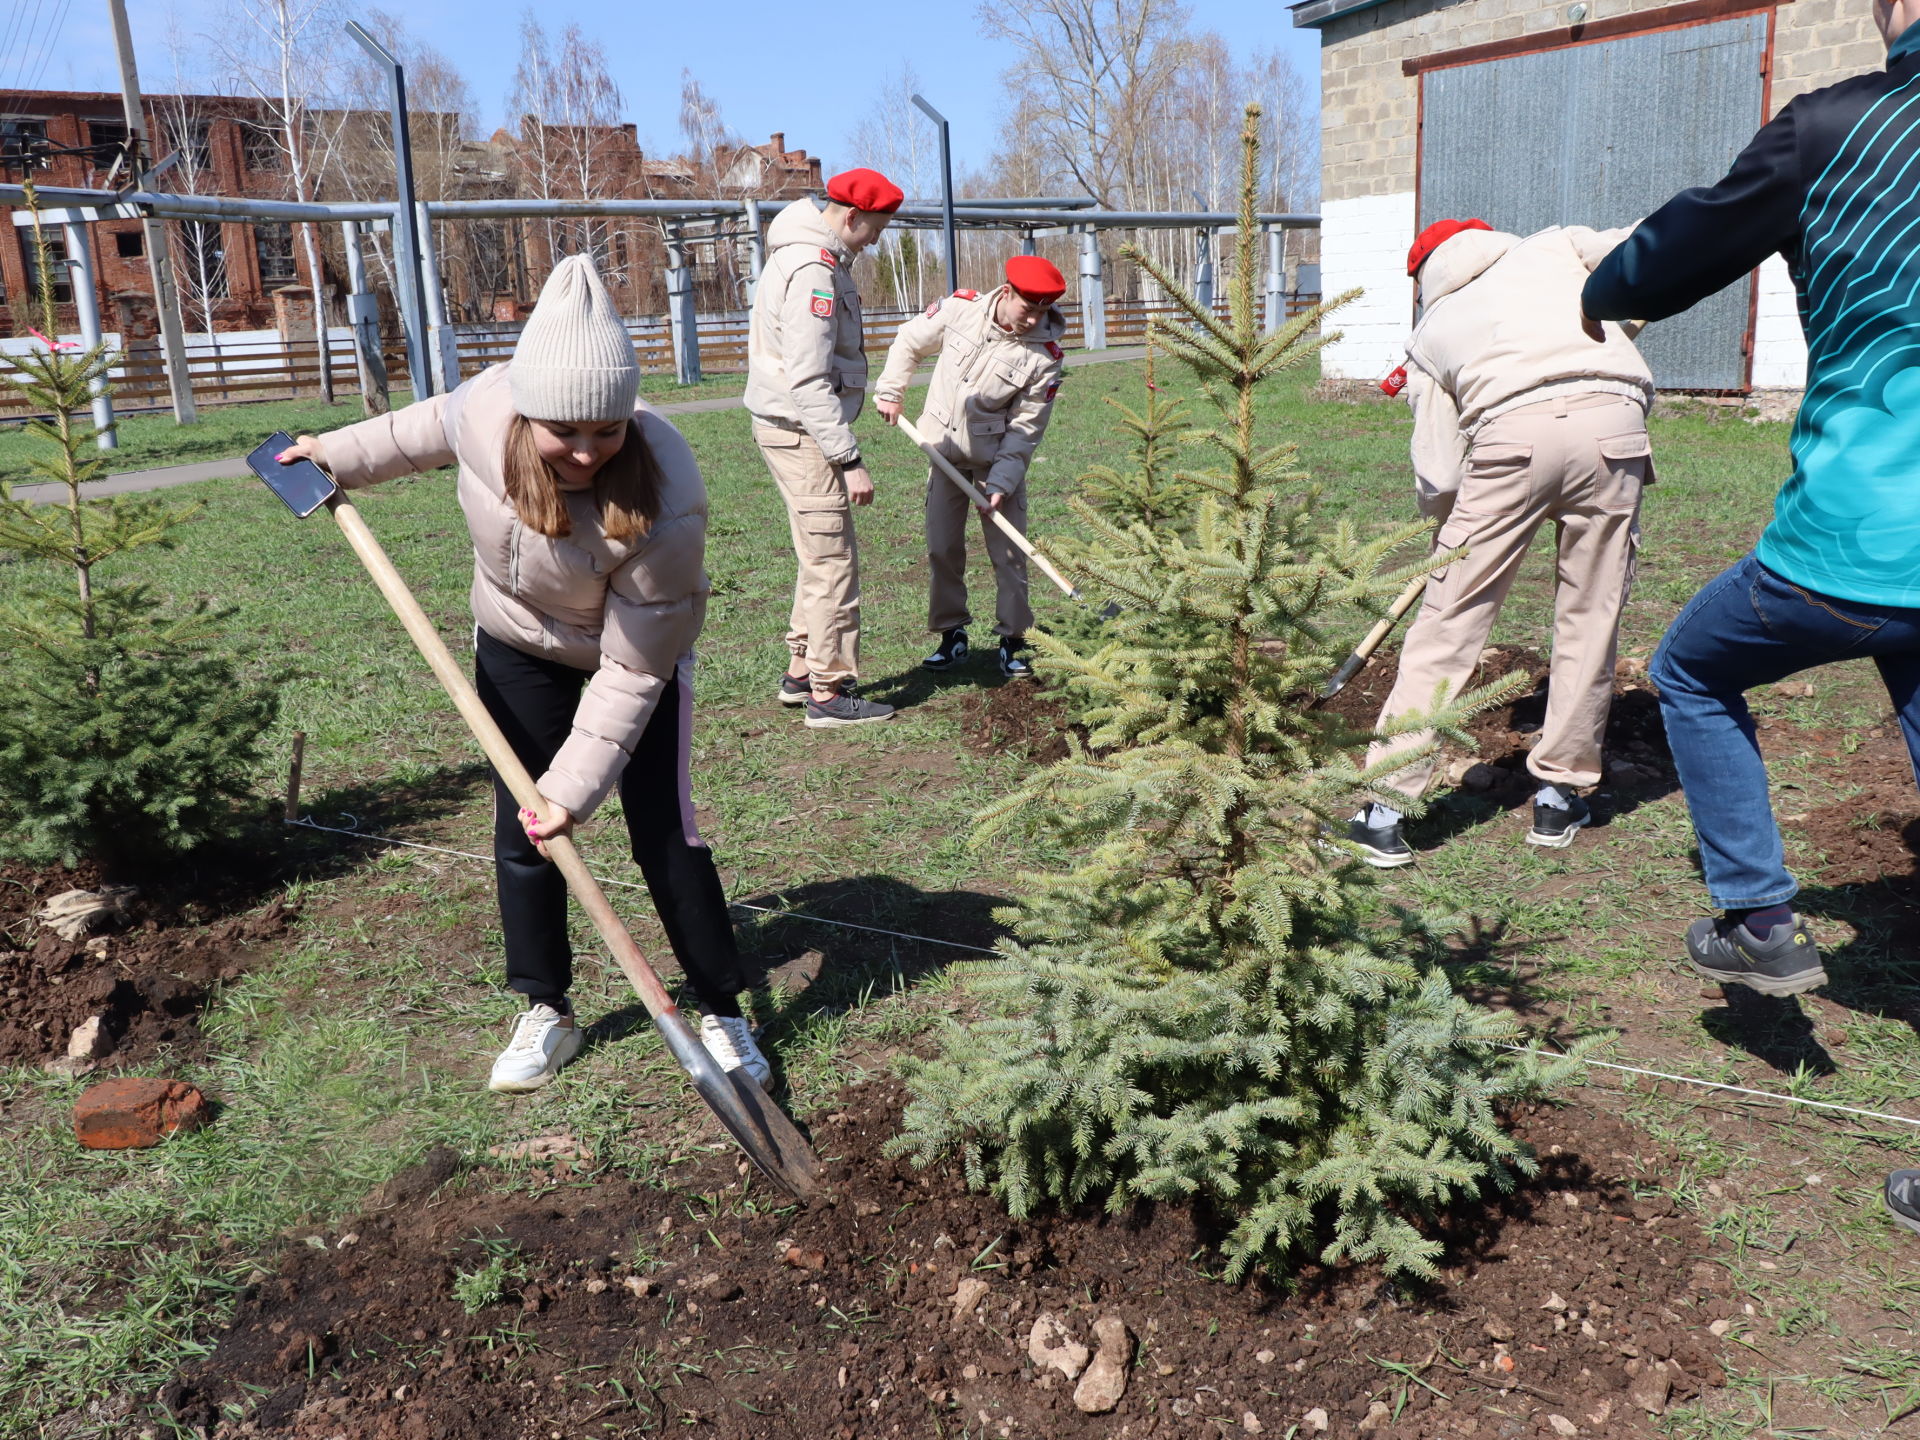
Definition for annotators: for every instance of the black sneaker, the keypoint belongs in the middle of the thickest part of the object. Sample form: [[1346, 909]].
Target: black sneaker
[[1013, 664], [795, 692], [1381, 846], [1554, 827], [1785, 963], [950, 652], [1903, 1198], [845, 708]]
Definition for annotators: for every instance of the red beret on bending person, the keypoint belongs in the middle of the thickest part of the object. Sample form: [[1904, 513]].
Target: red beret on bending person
[[1436, 235], [865, 190], [1036, 278]]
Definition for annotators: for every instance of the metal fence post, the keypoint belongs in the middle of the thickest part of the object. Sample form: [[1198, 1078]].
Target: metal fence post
[[442, 341], [682, 318], [406, 244], [1203, 268], [756, 250], [86, 300], [363, 314], [1093, 292], [1276, 278]]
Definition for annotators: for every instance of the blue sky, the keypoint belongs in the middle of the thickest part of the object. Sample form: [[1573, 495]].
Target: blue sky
[[808, 70]]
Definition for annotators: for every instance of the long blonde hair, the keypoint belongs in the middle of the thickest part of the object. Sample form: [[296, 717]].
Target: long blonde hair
[[626, 488]]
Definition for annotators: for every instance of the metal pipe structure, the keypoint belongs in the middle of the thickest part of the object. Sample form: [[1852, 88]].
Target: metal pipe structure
[[534, 206], [86, 300], [946, 190], [406, 243], [1276, 280], [683, 320], [166, 295], [131, 204], [363, 314], [1093, 293], [443, 343], [1203, 268], [756, 250]]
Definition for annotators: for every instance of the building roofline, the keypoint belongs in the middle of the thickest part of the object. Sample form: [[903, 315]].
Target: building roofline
[[1312, 14]]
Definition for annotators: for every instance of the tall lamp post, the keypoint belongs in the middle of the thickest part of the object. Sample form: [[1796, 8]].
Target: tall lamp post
[[946, 192], [406, 240]]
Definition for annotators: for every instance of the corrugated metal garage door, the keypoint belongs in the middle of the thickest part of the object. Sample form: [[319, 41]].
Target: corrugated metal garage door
[[1599, 135]]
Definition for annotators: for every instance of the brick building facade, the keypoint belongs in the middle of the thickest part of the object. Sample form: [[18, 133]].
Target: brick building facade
[[1381, 128]]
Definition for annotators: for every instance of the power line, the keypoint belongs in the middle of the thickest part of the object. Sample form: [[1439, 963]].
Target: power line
[[54, 29]]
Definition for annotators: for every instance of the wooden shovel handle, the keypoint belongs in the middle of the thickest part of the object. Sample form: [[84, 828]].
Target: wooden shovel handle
[[460, 690], [973, 493]]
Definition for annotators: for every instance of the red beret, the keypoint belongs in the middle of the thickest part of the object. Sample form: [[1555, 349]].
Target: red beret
[[1436, 235], [865, 190], [1036, 278]]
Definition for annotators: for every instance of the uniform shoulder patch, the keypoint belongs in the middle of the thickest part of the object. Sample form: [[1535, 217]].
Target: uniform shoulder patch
[[1053, 390], [966, 294], [1054, 351], [933, 309], [823, 304], [827, 255]]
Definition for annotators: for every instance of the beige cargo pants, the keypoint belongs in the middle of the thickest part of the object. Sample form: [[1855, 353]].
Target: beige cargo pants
[[1579, 461], [824, 626], [947, 512]]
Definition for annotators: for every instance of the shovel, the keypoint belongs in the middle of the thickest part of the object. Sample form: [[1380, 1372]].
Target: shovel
[[972, 492], [767, 1135], [1363, 652]]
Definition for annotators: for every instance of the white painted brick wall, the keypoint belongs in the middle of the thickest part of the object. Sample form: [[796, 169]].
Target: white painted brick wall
[[1779, 349], [1363, 242]]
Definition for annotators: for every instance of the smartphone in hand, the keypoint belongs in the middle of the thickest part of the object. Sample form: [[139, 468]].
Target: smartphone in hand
[[303, 485]]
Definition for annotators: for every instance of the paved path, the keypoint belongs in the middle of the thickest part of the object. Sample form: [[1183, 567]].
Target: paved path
[[165, 478]]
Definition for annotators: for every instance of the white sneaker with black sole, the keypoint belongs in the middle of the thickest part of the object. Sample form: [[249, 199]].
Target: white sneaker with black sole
[[543, 1041], [729, 1039]]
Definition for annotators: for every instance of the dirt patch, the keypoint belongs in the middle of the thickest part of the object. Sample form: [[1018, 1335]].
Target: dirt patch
[[1021, 716], [146, 976], [906, 1309], [1636, 755]]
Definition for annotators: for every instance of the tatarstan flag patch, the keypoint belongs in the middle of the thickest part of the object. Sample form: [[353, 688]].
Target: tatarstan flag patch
[[823, 304], [1054, 350], [827, 255]]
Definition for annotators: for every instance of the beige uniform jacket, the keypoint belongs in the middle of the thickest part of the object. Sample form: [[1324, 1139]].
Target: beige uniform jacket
[[806, 360], [1500, 328], [628, 611], [992, 391]]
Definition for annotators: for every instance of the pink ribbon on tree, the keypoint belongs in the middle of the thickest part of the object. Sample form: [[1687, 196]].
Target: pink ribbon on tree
[[51, 343]]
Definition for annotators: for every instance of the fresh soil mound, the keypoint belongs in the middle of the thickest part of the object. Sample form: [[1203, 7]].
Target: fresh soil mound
[[147, 976], [1021, 716], [906, 1308]]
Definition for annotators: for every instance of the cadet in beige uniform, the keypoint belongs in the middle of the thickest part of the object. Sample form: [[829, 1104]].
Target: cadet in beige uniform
[[806, 378], [987, 407], [1519, 419]]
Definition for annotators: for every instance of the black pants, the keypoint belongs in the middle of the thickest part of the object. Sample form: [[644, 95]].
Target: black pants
[[533, 701]]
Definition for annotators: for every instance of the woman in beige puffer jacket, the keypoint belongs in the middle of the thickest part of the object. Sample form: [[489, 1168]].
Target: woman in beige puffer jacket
[[588, 517]]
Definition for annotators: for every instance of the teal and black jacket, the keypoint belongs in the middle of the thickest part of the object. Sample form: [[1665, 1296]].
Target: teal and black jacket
[[1832, 184]]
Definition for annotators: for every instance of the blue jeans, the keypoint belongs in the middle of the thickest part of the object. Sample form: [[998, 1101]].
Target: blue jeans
[[1749, 627]]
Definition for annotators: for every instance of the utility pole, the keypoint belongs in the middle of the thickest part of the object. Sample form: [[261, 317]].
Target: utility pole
[[406, 240], [946, 192], [166, 298]]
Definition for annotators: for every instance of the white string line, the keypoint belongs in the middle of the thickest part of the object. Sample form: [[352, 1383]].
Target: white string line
[[1716, 1085], [954, 945], [632, 885]]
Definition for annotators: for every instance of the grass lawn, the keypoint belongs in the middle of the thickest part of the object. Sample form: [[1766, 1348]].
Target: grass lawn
[[365, 1039]]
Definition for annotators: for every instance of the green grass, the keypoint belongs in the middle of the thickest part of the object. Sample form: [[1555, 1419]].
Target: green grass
[[367, 1040]]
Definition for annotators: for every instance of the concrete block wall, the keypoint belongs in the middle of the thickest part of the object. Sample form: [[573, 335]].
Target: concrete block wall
[[1369, 138]]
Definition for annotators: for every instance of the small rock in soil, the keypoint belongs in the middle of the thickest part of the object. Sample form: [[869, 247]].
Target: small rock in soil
[[1651, 1387], [89, 1040], [1377, 1415], [1315, 1420], [967, 1294], [132, 1113], [1105, 1382], [1562, 1426], [1049, 1346]]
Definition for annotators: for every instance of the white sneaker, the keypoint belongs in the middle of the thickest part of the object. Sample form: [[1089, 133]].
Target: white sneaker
[[729, 1039], [543, 1041]]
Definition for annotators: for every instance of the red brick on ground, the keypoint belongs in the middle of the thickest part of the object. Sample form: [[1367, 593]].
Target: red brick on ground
[[132, 1112]]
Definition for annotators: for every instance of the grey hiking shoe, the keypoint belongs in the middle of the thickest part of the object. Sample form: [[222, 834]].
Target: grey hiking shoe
[[795, 692], [1903, 1198], [845, 708], [1554, 827], [1785, 963]]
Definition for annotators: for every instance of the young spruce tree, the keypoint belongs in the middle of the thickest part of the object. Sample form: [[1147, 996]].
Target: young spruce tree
[[126, 733], [1198, 1009]]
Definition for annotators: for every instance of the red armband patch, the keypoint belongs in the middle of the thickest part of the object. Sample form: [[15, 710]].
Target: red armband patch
[[1396, 382], [823, 304], [966, 294], [1053, 389], [933, 309], [1054, 350], [827, 255]]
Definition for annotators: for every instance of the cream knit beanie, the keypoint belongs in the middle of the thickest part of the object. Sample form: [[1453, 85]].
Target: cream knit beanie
[[574, 361]]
